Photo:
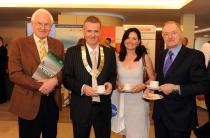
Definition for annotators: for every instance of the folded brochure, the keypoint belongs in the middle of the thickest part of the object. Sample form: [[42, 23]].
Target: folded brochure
[[49, 67]]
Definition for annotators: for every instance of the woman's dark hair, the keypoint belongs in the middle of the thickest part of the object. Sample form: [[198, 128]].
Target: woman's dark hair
[[140, 49]]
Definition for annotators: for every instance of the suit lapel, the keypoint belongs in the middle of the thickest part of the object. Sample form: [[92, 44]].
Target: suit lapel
[[33, 49], [88, 57], [99, 56], [162, 63], [50, 45]]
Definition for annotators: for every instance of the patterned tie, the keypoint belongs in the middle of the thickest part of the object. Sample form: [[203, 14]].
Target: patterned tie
[[42, 49], [168, 63], [94, 80]]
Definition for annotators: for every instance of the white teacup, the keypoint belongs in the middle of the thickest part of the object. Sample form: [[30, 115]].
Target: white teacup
[[154, 84], [101, 89], [127, 87]]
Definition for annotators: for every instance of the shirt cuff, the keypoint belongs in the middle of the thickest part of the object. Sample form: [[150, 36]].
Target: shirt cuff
[[82, 89], [177, 89]]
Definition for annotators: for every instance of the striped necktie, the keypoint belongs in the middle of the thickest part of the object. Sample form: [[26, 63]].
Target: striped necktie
[[42, 49]]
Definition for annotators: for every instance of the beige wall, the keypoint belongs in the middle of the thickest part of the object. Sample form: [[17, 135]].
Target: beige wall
[[11, 30], [79, 19], [188, 23]]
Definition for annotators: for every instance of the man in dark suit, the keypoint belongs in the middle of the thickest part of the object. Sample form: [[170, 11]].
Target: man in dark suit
[[85, 68], [35, 102], [3, 71], [204, 130], [206, 51], [182, 74], [107, 42]]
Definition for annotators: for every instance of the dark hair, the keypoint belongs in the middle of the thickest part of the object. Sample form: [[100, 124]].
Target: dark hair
[[109, 39], [81, 42], [92, 19], [140, 49]]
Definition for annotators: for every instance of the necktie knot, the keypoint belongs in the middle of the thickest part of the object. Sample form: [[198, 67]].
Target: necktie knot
[[42, 42], [93, 53], [170, 54]]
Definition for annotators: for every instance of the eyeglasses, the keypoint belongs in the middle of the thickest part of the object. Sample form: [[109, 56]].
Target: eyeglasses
[[43, 25]]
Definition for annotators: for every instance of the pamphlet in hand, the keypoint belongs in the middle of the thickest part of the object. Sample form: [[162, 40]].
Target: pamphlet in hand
[[49, 67]]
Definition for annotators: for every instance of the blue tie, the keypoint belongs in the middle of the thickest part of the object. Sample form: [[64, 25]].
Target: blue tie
[[168, 63]]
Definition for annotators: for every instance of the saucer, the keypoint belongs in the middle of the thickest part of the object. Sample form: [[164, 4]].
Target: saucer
[[101, 93], [152, 88], [152, 96], [127, 91]]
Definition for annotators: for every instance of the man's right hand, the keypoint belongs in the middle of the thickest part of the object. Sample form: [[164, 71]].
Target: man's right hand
[[148, 92], [89, 91], [48, 85]]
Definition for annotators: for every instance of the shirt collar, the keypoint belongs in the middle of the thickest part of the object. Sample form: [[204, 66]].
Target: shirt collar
[[37, 39], [175, 50], [90, 49]]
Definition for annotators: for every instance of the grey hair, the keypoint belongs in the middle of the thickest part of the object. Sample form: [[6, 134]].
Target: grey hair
[[173, 22], [42, 10]]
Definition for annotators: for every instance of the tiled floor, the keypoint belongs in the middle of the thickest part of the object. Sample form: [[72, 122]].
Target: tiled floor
[[9, 128]]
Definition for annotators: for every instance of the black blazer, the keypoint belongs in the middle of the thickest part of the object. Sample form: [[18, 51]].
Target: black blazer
[[178, 111], [3, 59], [75, 75]]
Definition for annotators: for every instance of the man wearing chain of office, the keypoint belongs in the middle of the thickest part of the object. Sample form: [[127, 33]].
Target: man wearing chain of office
[[90, 74]]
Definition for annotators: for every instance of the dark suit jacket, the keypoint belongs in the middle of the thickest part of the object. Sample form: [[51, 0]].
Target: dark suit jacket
[[178, 112], [3, 59], [207, 96], [23, 61], [75, 75]]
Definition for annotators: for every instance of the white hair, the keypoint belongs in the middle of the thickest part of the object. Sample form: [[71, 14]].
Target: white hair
[[44, 11]]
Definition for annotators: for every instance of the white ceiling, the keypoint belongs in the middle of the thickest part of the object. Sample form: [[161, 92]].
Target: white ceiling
[[117, 4], [201, 9]]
